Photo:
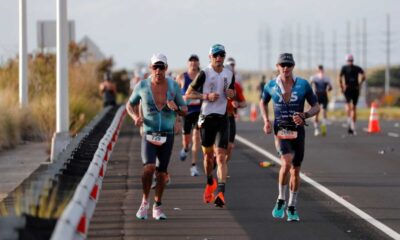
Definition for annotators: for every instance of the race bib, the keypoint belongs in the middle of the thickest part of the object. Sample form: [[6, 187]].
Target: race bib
[[156, 138], [193, 102], [286, 134]]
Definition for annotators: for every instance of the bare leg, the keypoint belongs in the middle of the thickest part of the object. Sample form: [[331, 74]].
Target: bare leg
[[196, 145], [161, 177], [147, 178], [222, 168]]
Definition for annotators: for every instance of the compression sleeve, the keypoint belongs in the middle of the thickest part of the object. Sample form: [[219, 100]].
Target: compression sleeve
[[232, 85], [198, 82]]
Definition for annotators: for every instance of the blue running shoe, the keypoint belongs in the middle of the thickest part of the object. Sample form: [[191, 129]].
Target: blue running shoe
[[279, 209], [292, 214]]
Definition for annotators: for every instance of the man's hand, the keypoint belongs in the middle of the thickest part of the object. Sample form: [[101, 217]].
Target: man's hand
[[299, 118], [267, 127], [138, 121], [230, 93], [212, 97], [172, 105]]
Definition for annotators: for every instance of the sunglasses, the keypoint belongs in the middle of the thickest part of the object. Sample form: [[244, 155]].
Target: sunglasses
[[158, 66], [221, 54], [288, 65]]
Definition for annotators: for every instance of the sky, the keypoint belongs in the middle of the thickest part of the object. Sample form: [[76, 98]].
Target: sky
[[130, 31]]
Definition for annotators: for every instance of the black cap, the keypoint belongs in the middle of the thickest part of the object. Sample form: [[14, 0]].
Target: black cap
[[193, 57], [285, 58]]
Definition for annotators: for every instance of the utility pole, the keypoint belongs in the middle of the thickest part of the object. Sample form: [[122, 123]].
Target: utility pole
[[322, 47], [309, 44], [334, 62], [61, 137], [260, 51], [387, 71], [357, 40], [299, 52], [348, 38], [23, 58], [268, 49], [317, 43], [364, 45]]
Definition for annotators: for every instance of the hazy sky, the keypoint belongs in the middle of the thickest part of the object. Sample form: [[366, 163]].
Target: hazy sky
[[131, 30]]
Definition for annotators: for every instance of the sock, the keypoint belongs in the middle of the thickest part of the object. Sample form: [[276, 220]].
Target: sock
[[282, 192], [349, 121], [353, 125], [193, 164], [221, 187], [144, 200], [186, 149], [157, 204], [210, 180], [292, 198]]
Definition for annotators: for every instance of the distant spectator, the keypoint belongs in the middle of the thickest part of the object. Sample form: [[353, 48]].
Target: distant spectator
[[108, 90]]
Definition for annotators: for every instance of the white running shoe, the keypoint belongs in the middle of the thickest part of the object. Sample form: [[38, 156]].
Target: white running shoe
[[316, 132], [142, 212], [194, 171], [158, 213]]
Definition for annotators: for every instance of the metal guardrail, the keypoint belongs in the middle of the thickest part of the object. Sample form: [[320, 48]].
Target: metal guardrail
[[51, 192]]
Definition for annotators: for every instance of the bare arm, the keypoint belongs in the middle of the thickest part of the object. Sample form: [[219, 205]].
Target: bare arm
[[265, 115], [134, 113]]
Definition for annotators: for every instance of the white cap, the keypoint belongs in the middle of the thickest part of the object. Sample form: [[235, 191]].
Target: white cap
[[349, 57], [158, 57]]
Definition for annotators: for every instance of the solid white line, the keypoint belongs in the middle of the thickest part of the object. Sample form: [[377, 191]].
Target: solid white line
[[391, 134], [385, 229]]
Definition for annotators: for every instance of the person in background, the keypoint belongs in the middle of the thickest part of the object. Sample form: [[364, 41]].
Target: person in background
[[108, 90]]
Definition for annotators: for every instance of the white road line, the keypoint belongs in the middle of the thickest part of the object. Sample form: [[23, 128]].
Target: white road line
[[385, 229], [392, 134]]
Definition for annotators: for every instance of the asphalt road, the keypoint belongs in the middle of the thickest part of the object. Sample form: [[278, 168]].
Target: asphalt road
[[355, 168]]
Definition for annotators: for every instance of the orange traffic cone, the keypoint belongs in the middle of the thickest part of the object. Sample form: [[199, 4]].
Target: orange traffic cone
[[373, 126], [253, 112]]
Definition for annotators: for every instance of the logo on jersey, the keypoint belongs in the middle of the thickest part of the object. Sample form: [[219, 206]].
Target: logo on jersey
[[293, 97]]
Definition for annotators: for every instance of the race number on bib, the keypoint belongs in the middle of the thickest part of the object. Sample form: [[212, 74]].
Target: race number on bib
[[286, 134], [156, 138]]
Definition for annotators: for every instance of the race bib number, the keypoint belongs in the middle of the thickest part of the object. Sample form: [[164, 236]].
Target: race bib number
[[156, 138], [286, 134]]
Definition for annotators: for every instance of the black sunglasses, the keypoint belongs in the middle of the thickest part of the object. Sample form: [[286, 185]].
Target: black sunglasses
[[221, 54], [289, 65], [158, 66]]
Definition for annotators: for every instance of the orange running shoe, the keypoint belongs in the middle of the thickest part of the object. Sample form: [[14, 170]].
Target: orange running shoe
[[209, 191], [219, 200]]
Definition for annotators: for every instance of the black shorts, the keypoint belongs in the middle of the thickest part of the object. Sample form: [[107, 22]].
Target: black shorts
[[190, 122], [151, 153], [232, 129], [293, 146], [215, 130], [351, 95], [323, 99]]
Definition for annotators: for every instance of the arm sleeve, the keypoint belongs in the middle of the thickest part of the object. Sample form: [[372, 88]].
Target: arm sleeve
[[135, 96], [232, 85], [310, 96], [265, 96], [178, 95], [198, 82]]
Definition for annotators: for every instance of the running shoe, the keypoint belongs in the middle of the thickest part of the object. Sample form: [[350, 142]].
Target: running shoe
[[323, 130], [279, 209], [350, 131], [142, 212], [316, 132], [209, 191], [292, 214], [158, 213], [219, 200], [194, 171], [182, 155]]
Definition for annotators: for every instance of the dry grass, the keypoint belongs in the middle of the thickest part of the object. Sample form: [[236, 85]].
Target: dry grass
[[37, 121]]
